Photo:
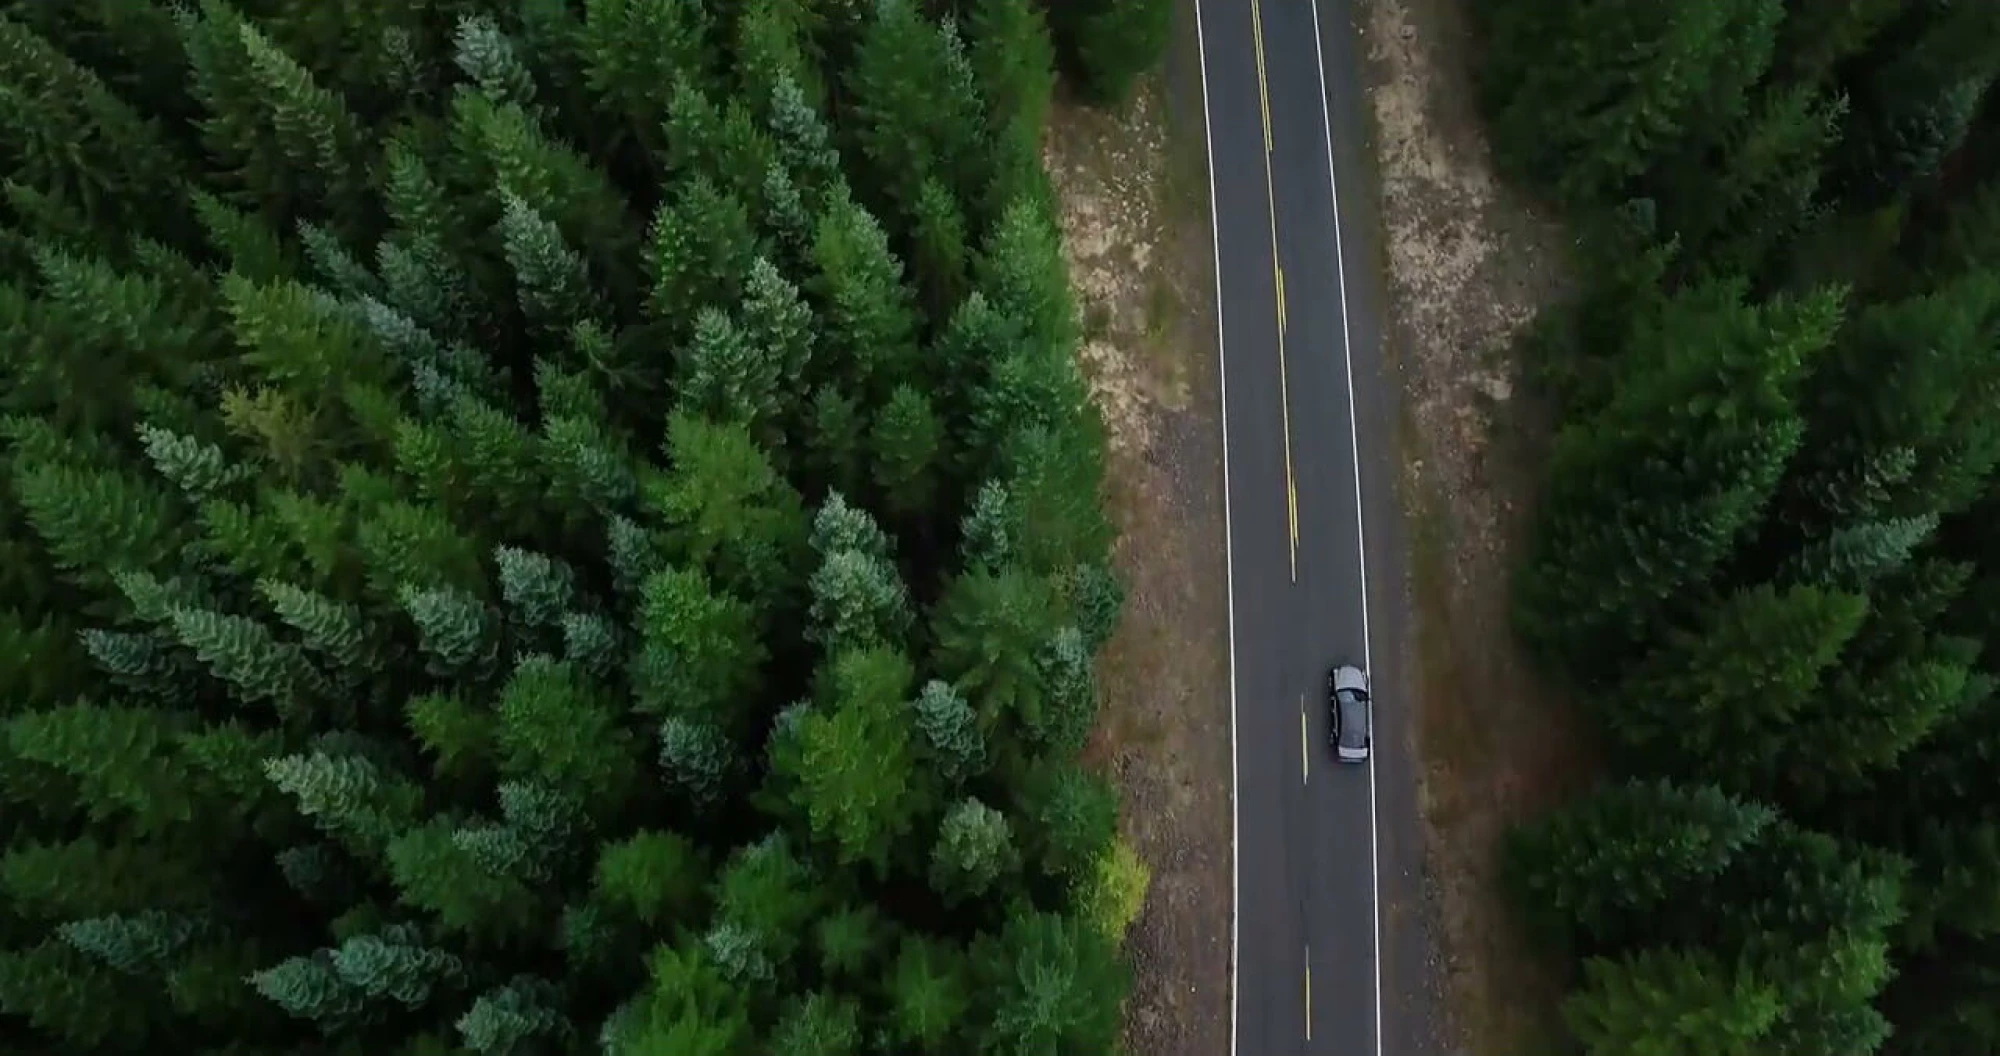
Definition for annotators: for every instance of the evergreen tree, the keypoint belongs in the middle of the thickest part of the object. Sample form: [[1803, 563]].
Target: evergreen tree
[[633, 47], [1110, 43], [908, 441], [656, 877], [1585, 96], [856, 771], [729, 508], [974, 848], [1711, 702], [512, 1017], [930, 995], [870, 314], [916, 106], [1651, 494], [1671, 1001], [1046, 976], [1592, 873]]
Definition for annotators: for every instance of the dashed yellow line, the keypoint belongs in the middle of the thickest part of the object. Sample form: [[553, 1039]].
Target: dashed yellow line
[[1309, 993]]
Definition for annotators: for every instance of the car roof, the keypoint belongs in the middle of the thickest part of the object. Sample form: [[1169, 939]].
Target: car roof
[[1353, 722]]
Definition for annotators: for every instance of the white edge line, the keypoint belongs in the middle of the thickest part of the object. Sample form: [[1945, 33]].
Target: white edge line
[[1361, 543], [1228, 549]]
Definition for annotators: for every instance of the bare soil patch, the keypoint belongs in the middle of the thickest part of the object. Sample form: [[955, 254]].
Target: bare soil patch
[[1469, 265], [1139, 258]]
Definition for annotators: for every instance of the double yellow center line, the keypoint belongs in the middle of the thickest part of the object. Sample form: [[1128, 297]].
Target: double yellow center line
[[1278, 270]]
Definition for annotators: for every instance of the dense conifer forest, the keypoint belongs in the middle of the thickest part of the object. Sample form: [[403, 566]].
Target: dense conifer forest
[[1768, 551], [551, 526]]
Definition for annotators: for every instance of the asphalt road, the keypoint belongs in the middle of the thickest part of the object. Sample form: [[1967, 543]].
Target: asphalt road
[[1324, 851]]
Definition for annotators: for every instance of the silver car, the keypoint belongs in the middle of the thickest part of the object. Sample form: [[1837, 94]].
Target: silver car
[[1353, 731]]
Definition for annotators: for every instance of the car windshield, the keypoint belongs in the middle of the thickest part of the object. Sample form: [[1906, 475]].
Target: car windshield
[[1353, 721]]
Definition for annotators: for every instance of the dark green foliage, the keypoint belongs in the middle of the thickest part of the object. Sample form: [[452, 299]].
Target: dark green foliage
[[483, 490], [1585, 96], [1048, 976], [1671, 1001], [1707, 702], [1594, 873], [1773, 584], [1110, 43], [1653, 492]]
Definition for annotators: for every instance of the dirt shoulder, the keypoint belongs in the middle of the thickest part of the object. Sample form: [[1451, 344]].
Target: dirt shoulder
[[1469, 264], [1133, 187]]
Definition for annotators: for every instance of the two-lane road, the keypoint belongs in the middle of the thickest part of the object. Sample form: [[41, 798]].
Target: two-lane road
[[1295, 334]]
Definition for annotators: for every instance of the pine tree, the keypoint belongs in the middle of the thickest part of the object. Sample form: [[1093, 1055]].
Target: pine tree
[[872, 319], [1906, 376], [458, 631], [394, 965], [1652, 492], [1048, 977], [1592, 872], [511, 1017], [1112, 42], [655, 877], [768, 893], [142, 944], [485, 53], [120, 758], [857, 772], [1671, 1001], [775, 51], [1710, 702], [818, 1024], [64, 995], [95, 521], [930, 994], [1071, 815], [1014, 58], [433, 873], [557, 728], [633, 47], [700, 251], [851, 942], [1020, 271], [858, 601], [551, 279], [1584, 97], [348, 796], [1915, 103], [699, 652], [730, 509], [989, 629], [776, 320], [245, 654], [1068, 672], [727, 377], [691, 1007], [330, 628], [908, 441], [69, 135], [951, 731], [974, 849], [916, 107], [538, 588]]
